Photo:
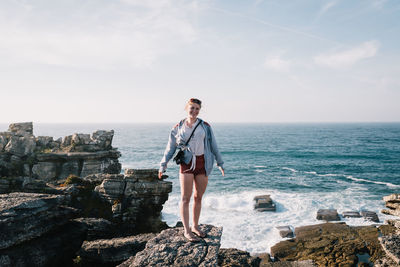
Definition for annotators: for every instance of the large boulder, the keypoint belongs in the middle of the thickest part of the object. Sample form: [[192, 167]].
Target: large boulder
[[21, 145], [264, 203], [171, 248], [328, 215]]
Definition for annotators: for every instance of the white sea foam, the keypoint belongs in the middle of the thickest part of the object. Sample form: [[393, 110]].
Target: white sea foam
[[247, 229], [260, 166], [373, 182], [311, 173], [289, 169], [350, 177]]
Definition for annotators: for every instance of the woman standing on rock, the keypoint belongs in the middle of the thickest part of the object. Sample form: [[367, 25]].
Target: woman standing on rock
[[199, 155]]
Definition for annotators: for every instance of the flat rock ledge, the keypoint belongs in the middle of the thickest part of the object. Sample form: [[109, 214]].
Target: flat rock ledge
[[170, 248]]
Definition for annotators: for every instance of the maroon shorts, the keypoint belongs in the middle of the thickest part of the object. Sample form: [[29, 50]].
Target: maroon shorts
[[199, 169]]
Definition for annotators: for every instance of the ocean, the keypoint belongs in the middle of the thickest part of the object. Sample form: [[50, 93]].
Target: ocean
[[304, 167]]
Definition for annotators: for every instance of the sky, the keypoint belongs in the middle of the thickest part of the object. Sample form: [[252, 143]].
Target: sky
[[119, 61]]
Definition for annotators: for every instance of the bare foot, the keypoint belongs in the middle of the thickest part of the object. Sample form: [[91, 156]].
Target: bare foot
[[198, 232], [191, 237]]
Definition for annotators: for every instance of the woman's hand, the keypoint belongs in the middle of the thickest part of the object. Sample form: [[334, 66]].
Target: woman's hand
[[160, 175], [222, 171]]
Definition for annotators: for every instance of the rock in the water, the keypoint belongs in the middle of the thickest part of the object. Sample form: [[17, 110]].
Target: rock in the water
[[264, 203], [236, 257], [170, 248], [391, 245], [370, 215], [112, 251], [285, 231], [351, 214], [328, 215]]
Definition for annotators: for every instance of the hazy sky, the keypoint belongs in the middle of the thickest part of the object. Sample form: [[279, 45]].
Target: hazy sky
[[249, 61]]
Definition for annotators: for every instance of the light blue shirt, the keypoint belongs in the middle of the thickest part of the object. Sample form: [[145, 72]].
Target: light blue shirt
[[176, 140]]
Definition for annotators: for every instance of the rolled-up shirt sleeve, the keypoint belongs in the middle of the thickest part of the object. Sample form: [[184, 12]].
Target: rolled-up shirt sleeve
[[215, 150]]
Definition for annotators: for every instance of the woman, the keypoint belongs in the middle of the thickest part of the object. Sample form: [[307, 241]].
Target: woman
[[198, 163]]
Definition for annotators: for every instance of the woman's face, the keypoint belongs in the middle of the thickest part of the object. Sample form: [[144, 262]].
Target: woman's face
[[193, 110]]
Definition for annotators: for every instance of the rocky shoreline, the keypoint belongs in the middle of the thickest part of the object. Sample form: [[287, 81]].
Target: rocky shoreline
[[65, 202]]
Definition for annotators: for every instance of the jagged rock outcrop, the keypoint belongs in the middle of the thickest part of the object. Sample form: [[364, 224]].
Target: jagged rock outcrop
[[110, 252], [48, 160], [36, 230], [170, 248], [136, 198], [393, 203], [390, 242]]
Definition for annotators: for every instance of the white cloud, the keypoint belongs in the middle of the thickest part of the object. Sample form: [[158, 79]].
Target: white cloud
[[277, 63], [348, 57], [128, 33], [326, 7]]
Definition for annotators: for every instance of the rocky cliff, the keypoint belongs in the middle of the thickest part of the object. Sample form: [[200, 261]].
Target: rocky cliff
[[44, 159], [65, 199]]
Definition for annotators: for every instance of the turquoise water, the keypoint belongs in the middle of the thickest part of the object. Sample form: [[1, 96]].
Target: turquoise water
[[303, 167]]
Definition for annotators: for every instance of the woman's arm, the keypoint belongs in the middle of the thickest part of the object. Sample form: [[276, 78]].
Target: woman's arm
[[169, 150], [215, 150]]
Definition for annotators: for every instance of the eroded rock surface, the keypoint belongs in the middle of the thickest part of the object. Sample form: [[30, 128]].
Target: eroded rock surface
[[391, 245], [35, 230], [24, 216], [170, 248], [332, 244], [236, 257], [111, 252], [136, 198]]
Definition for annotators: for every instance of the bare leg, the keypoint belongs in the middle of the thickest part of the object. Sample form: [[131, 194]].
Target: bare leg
[[200, 185], [186, 181]]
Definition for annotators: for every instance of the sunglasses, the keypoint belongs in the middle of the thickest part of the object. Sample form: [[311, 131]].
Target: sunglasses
[[195, 100]]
